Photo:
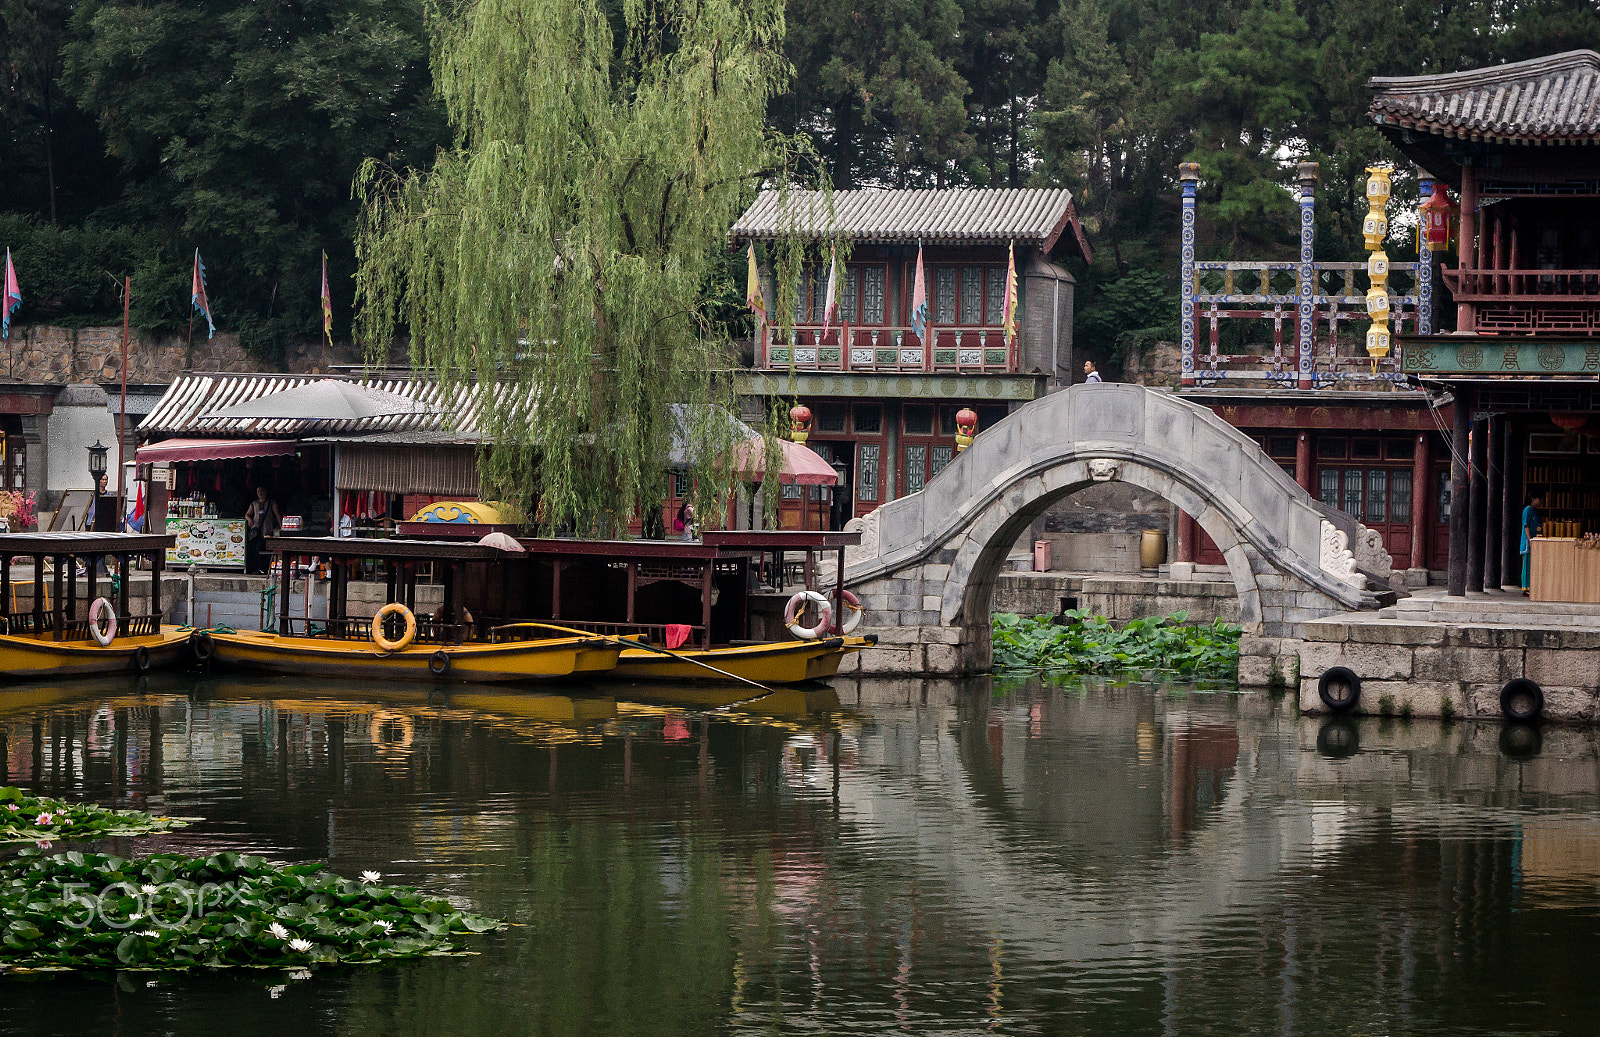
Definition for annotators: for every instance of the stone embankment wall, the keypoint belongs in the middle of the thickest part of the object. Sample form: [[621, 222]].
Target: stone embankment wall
[[48, 355], [1117, 598]]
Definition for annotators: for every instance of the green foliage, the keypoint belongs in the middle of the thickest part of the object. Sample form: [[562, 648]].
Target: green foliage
[[565, 245], [1082, 643], [169, 913], [1121, 315], [28, 818]]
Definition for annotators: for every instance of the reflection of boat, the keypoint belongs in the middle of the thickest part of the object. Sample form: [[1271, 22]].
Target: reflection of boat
[[448, 646], [50, 640], [793, 700]]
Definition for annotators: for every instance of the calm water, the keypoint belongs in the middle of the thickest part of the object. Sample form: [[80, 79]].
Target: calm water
[[893, 857]]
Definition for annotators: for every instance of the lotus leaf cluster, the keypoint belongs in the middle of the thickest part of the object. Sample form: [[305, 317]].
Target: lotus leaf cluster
[[29, 818], [171, 913], [1076, 642]]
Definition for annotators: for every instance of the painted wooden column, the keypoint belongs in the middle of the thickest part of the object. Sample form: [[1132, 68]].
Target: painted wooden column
[[286, 584], [1496, 427], [1302, 463], [1421, 499], [1424, 285], [1308, 274], [1461, 410], [1467, 248], [1478, 503], [1187, 542], [38, 595], [1189, 176], [157, 562]]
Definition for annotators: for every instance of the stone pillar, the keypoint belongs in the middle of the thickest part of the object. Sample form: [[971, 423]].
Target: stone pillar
[[1461, 409], [1189, 176], [1424, 285], [1511, 503], [1478, 500], [35, 443], [1421, 501], [1308, 276], [1495, 501], [1302, 463], [1467, 247]]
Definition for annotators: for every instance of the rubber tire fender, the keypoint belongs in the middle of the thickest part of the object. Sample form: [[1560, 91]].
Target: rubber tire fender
[[1339, 689], [203, 644], [439, 663], [1521, 699], [141, 659]]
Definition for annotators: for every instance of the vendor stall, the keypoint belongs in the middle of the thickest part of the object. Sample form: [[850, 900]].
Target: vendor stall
[[1565, 569]]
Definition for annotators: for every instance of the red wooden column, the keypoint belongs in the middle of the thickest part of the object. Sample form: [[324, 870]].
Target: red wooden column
[[1467, 249], [1187, 540], [1421, 499], [1302, 463]]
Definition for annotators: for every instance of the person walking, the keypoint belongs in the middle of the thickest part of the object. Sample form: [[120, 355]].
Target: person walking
[[1531, 520], [1090, 373], [684, 523]]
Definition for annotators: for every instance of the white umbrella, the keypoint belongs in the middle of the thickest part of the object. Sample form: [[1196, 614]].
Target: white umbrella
[[327, 400], [502, 541]]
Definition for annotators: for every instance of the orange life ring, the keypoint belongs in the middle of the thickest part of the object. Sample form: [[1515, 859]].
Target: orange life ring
[[797, 605], [392, 609]]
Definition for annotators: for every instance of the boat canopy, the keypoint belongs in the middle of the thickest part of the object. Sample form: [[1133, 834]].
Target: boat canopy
[[77, 543]]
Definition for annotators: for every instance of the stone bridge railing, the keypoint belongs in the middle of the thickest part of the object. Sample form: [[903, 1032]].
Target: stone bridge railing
[[927, 563]]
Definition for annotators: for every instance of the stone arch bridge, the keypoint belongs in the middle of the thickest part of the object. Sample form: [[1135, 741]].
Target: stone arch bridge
[[927, 562]]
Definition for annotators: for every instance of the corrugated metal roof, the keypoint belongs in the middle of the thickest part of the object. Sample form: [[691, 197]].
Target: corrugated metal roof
[[1037, 215], [1553, 99], [190, 403]]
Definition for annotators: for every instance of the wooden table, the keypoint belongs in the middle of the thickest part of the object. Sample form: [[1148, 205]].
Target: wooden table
[[1564, 571]]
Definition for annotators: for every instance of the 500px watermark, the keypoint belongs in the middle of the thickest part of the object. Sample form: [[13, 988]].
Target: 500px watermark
[[123, 905]]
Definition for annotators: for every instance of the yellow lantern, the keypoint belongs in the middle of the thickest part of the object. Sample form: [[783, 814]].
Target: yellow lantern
[[1378, 269], [1376, 226], [1378, 341], [1378, 304]]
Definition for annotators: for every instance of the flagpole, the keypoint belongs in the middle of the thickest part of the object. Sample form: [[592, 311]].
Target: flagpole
[[122, 414]]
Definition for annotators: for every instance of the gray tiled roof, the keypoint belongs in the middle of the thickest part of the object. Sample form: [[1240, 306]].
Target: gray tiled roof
[[1034, 215], [1550, 99]]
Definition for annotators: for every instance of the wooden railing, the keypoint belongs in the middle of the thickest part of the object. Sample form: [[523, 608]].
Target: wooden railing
[[953, 349], [1524, 285]]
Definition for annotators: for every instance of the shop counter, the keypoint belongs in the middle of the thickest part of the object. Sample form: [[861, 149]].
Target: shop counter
[[1564, 569], [212, 543]]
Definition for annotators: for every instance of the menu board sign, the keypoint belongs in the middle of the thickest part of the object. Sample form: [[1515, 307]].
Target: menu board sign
[[207, 542]]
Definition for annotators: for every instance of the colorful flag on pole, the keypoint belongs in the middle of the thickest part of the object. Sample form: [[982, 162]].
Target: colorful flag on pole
[[327, 303], [197, 296], [13, 297], [919, 300], [134, 523], [830, 300], [1009, 318], [752, 290]]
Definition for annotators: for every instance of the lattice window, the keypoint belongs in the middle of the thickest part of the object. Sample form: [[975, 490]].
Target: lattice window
[[972, 295], [941, 457], [867, 473], [1377, 495], [944, 295], [819, 292], [872, 295], [997, 296], [1400, 496], [1352, 491], [916, 468], [1329, 487], [847, 301]]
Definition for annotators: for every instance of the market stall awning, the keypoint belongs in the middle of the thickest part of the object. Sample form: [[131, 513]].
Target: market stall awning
[[211, 449]]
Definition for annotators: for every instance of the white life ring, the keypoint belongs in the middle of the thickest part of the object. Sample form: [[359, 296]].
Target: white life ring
[[797, 604], [853, 612], [102, 605]]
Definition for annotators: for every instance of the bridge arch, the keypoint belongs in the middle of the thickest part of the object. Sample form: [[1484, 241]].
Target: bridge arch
[[927, 563]]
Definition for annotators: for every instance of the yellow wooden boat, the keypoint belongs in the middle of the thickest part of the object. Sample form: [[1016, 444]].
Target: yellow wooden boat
[[333, 657], [780, 662], [63, 633]]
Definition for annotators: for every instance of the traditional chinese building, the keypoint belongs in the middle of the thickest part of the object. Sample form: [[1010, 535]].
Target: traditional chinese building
[[1519, 144], [883, 398]]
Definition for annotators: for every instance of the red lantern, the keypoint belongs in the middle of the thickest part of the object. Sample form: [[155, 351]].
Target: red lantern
[[1568, 422], [800, 422], [1436, 215], [966, 428]]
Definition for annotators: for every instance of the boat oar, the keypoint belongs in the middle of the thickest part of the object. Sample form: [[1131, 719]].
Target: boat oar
[[631, 643]]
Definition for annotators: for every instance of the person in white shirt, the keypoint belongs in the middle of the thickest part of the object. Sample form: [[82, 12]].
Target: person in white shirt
[[1089, 372]]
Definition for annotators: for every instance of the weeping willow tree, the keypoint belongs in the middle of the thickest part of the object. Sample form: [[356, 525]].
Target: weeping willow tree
[[565, 249]]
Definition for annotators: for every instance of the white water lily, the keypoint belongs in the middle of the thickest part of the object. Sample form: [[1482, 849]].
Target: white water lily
[[151, 933], [370, 877], [279, 931], [147, 889], [300, 945], [379, 923], [300, 974]]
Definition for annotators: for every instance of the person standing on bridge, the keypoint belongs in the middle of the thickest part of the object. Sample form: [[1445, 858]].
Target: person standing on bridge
[[1090, 374]]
